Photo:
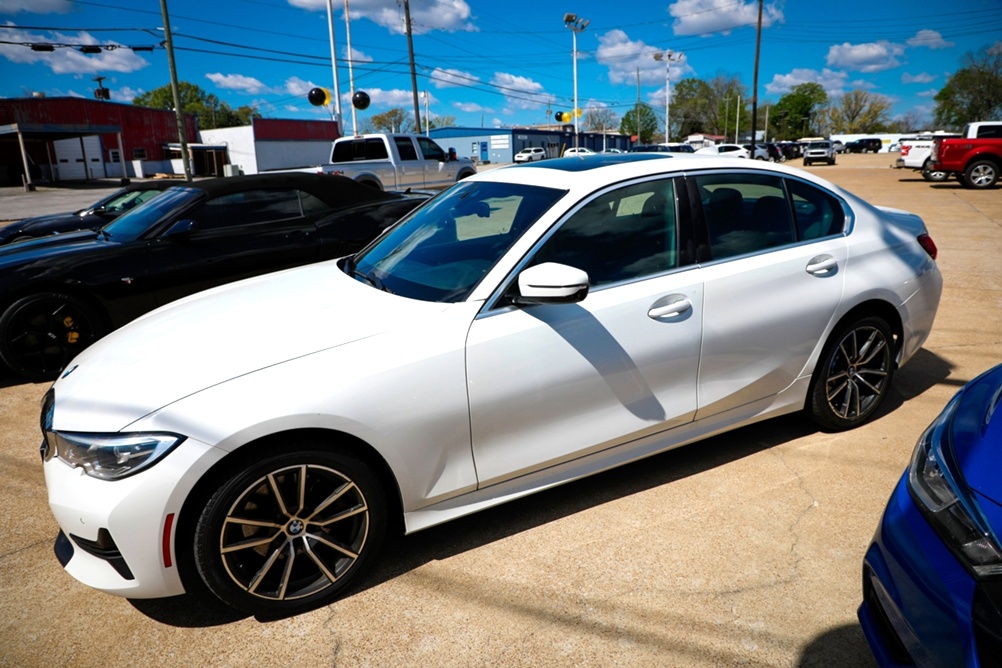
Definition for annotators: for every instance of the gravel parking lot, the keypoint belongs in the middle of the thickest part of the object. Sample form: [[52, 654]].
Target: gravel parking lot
[[745, 549]]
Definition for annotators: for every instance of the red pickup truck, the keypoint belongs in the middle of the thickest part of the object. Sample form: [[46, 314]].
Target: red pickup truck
[[975, 158]]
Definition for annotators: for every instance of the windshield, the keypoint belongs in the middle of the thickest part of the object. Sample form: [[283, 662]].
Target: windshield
[[819, 144], [446, 247], [134, 224]]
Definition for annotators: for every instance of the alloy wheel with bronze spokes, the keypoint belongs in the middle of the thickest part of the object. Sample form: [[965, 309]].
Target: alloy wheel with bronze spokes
[[854, 375], [290, 532]]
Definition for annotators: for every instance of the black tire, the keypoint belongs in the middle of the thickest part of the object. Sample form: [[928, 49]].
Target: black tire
[[981, 174], [930, 175], [40, 334], [853, 375], [290, 531], [806, 163]]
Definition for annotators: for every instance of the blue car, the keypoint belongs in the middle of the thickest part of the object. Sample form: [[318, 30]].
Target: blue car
[[932, 578]]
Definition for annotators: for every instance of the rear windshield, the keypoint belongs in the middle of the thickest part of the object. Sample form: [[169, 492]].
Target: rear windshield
[[370, 148]]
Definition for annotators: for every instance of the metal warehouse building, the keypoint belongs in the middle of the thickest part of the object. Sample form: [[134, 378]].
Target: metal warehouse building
[[488, 145]]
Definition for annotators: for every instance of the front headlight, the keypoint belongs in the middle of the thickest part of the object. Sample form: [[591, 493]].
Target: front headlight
[[111, 456], [938, 491]]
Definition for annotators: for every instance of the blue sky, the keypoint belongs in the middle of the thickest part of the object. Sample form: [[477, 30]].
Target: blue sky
[[491, 63]]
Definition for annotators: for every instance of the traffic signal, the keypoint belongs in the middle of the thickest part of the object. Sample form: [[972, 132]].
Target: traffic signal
[[319, 97]]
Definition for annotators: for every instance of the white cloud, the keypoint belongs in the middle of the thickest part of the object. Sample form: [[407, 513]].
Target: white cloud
[[928, 93], [35, 6], [521, 92], [450, 78], [125, 94], [238, 82], [705, 17], [68, 60], [921, 77], [297, 86], [831, 80], [450, 15], [623, 57], [929, 38], [472, 108], [869, 57], [380, 98], [356, 56]]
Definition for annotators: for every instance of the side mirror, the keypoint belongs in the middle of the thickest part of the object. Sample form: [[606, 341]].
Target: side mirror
[[181, 228], [552, 283], [452, 155]]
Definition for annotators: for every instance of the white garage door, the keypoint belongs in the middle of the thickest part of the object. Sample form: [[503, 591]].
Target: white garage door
[[70, 159]]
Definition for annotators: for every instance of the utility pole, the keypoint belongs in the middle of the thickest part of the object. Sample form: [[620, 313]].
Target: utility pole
[[337, 89], [410, 53], [754, 103], [176, 91]]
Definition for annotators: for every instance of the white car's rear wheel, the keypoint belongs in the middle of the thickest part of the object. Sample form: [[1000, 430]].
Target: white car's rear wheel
[[290, 532], [853, 376]]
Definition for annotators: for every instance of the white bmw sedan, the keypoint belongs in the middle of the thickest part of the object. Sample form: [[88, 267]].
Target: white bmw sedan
[[528, 326]]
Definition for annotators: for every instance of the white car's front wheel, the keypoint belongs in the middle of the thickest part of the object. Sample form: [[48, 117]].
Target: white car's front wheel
[[291, 530]]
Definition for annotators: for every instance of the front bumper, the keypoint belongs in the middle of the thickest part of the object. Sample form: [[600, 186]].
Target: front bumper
[[920, 605], [111, 530]]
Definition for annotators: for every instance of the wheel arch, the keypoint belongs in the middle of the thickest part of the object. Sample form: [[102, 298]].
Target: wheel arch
[[878, 308], [317, 438]]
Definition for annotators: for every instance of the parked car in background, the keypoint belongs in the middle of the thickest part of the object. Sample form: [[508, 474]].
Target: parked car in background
[[975, 158], [932, 593], [729, 150], [579, 151], [530, 154], [870, 145], [59, 294], [612, 150], [819, 151], [389, 161], [838, 146], [760, 152], [262, 438], [775, 152], [93, 217], [916, 154]]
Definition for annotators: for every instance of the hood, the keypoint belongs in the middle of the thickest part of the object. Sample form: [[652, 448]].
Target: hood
[[48, 246], [976, 436], [50, 224], [214, 336]]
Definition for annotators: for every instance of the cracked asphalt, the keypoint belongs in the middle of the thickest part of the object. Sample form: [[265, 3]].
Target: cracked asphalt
[[741, 550]]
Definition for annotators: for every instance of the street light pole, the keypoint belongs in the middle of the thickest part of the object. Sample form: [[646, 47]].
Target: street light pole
[[337, 88], [576, 25], [667, 56]]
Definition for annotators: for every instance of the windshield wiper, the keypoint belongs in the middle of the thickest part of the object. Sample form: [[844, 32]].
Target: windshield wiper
[[371, 279]]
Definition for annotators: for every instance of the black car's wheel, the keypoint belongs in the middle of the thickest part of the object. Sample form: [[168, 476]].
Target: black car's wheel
[[981, 174], [40, 334], [290, 532], [853, 376], [930, 175]]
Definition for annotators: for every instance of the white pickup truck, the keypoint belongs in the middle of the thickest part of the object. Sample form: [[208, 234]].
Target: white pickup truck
[[915, 154], [395, 162]]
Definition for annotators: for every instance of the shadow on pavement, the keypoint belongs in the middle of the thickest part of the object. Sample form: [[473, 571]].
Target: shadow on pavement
[[840, 647]]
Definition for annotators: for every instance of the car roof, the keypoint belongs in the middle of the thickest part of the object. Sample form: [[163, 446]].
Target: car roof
[[581, 175], [331, 189]]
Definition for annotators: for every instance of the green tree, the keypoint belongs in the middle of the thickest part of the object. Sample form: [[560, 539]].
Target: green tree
[[641, 122], [855, 112], [392, 120], [209, 111], [798, 112], [692, 106], [974, 92]]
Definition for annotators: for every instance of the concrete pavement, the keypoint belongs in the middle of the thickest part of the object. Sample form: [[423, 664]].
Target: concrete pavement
[[741, 550]]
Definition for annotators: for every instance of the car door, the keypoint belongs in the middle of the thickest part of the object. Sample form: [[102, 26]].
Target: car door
[[438, 173], [552, 382], [234, 236], [772, 283], [412, 168]]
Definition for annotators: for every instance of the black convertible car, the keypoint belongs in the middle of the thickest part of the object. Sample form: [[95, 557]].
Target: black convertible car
[[93, 217], [59, 294]]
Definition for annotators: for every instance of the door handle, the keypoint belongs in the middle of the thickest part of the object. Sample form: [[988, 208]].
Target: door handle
[[668, 310], [822, 264]]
